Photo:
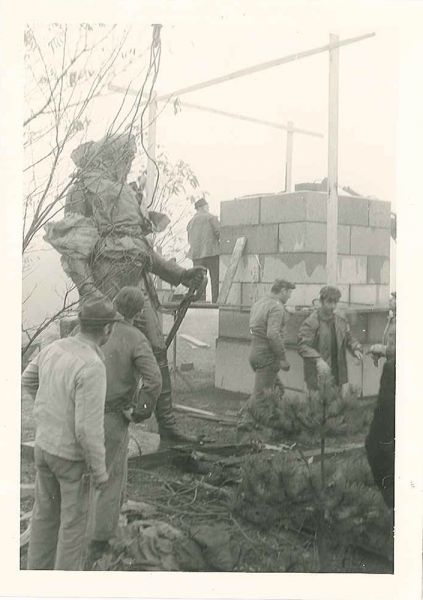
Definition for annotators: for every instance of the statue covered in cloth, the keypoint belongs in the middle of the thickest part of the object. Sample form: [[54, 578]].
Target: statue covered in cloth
[[104, 246]]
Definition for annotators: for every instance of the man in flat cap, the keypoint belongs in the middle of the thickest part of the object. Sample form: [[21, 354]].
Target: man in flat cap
[[323, 339], [268, 319], [68, 381], [203, 237]]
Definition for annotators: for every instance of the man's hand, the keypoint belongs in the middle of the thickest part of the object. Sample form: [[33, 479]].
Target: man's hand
[[358, 354], [322, 367], [100, 483], [284, 364], [194, 277]]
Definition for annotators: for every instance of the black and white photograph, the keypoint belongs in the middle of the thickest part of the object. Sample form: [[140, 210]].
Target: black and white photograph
[[209, 267]]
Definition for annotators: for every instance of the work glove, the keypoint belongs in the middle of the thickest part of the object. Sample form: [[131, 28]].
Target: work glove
[[322, 367], [284, 365], [193, 277], [100, 482], [377, 351], [358, 354]]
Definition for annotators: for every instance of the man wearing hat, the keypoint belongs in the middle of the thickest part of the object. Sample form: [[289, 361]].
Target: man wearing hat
[[68, 380], [323, 339], [203, 237], [268, 318]]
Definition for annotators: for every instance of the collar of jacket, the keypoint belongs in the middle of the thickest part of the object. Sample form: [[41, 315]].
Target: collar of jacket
[[324, 317]]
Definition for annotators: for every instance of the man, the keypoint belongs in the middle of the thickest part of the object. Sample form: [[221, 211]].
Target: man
[[323, 339], [129, 360], [68, 380], [203, 237], [268, 319], [104, 247], [380, 442]]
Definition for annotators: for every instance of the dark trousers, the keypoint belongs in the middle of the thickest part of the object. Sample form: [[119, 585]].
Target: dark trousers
[[266, 378], [211, 263]]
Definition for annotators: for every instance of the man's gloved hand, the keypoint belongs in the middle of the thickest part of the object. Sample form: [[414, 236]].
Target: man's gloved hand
[[100, 483], [322, 367], [358, 354], [284, 364], [194, 277]]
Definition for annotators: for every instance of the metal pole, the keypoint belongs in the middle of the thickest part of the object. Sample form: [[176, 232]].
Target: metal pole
[[289, 149], [151, 147], [332, 206]]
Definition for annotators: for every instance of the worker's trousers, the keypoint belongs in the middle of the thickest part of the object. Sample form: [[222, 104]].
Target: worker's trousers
[[108, 501], [60, 515], [211, 263], [110, 277]]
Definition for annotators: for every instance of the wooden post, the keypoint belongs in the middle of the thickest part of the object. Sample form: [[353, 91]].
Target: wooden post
[[289, 149], [151, 147], [332, 212]]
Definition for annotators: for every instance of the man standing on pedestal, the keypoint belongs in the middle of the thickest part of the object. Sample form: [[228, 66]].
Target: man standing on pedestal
[[203, 237]]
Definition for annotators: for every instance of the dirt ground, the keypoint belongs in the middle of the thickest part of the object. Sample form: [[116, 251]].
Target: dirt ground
[[175, 492]]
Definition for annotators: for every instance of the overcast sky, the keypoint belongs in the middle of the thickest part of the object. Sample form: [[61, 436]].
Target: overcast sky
[[233, 158]]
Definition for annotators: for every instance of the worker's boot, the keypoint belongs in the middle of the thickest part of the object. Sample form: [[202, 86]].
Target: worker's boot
[[166, 420], [96, 550]]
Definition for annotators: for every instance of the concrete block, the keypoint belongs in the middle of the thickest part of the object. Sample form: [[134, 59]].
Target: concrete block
[[316, 206], [261, 239], [234, 324], [249, 268], [294, 378], [282, 208], [308, 294], [376, 326], [352, 269], [378, 269], [371, 375], [355, 373], [353, 211], [359, 325], [310, 237], [373, 241], [232, 370], [380, 214], [369, 294], [251, 292], [296, 267], [242, 211]]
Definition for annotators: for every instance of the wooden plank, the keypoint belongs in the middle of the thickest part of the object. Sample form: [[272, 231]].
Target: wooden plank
[[194, 341], [289, 152], [332, 212], [230, 273], [151, 157], [262, 66]]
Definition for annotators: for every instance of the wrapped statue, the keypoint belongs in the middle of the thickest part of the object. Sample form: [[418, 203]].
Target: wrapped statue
[[104, 246]]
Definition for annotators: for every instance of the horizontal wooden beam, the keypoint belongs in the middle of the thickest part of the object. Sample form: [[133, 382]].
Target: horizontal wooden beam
[[273, 124], [263, 66], [223, 113]]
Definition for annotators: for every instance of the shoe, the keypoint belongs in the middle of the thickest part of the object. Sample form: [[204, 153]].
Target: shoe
[[172, 434], [96, 549]]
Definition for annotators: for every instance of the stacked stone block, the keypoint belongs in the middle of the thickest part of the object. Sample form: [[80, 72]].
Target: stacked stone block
[[286, 237]]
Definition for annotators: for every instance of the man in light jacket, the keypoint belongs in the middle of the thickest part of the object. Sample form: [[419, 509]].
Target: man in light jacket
[[268, 319], [323, 339], [68, 380], [203, 237]]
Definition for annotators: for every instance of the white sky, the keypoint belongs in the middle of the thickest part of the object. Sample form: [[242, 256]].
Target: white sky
[[234, 158]]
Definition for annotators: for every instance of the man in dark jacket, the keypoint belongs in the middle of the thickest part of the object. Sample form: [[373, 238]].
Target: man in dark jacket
[[268, 319], [203, 237], [380, 442], [129, 361], [323, 339], [104, 247]]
